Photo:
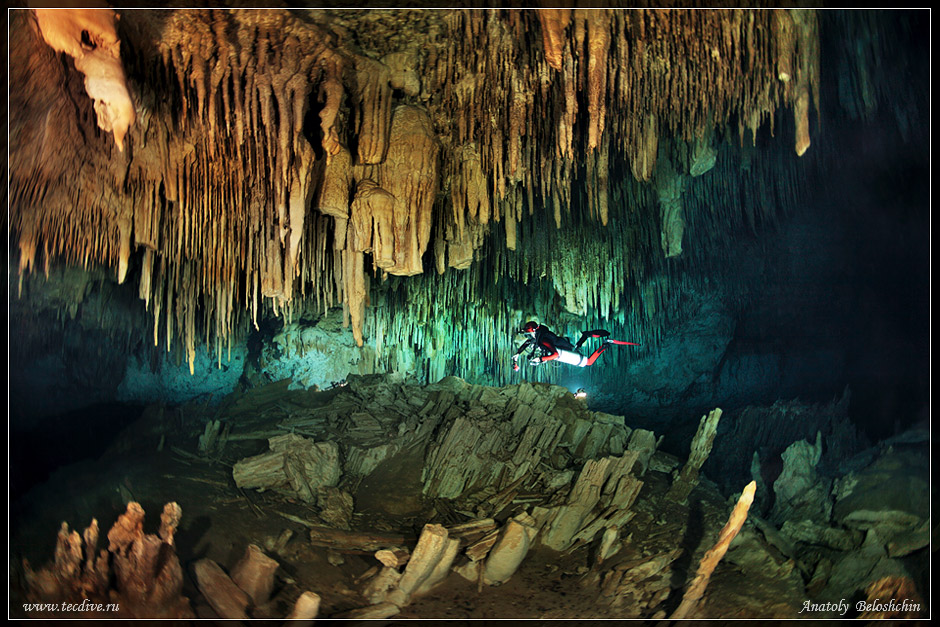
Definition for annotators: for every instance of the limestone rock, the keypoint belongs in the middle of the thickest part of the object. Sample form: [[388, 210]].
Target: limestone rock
[[295, 465], [601, 498], [336, 506], [888, 496], [254, 574], [226, 598], [755, 556], [853, 571], [507, 554], [801, 494], [814, 533]]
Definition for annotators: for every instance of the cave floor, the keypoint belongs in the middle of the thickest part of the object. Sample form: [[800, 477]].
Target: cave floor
[[220, 520]]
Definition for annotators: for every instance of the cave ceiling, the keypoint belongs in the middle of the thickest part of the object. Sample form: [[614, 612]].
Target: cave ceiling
[[425, 170]]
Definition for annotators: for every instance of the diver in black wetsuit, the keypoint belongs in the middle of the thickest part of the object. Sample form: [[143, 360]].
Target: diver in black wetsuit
[[550, 346]]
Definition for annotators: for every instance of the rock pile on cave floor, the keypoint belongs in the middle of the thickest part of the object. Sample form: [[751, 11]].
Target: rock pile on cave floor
[[384, 498]]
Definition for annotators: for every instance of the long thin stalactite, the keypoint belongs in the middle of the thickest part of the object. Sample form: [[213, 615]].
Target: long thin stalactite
[[593, 157]]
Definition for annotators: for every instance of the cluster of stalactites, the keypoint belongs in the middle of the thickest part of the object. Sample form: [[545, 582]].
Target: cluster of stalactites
[[605, 82], [246, 102], [219, 187]]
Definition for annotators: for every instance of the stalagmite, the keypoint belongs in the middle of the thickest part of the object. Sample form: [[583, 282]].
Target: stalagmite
[[139, 573], [696, 589], [441, 569], [701, 447], [377, 588]]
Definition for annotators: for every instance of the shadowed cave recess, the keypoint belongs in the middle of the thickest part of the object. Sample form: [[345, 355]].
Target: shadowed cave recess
[[228, 227]]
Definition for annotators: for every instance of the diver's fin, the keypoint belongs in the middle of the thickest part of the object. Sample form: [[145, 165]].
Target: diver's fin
[[586, 334]]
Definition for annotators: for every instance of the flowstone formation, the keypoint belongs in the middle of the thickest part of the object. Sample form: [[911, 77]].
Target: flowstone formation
[[413, 167]]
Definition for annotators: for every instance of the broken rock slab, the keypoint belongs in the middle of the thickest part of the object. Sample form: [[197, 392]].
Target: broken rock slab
[[641, 583], [889, 496], [601, 498], [254, 574], [819, 534], [336, 506], [295, 466], [491, 437], [515, 538], [854, 571], [226, 598]]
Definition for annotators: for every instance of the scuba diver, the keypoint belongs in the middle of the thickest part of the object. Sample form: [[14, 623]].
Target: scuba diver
[[551, 347]]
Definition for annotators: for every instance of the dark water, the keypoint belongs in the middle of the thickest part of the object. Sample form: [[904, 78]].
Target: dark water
[[55, 442]]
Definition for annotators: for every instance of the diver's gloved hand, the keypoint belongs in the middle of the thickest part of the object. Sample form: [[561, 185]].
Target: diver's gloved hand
[[535, 361]]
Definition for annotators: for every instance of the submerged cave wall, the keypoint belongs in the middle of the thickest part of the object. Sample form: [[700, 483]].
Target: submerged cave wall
[[440, 176]]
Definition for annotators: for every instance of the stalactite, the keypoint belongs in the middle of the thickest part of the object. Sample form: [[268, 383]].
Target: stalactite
[[807, 76], [410, 174], [331, 93], [643, 157], [669, 187], [554, 22], [373, 94], [597, 71], [217, 190], [89, 36]]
